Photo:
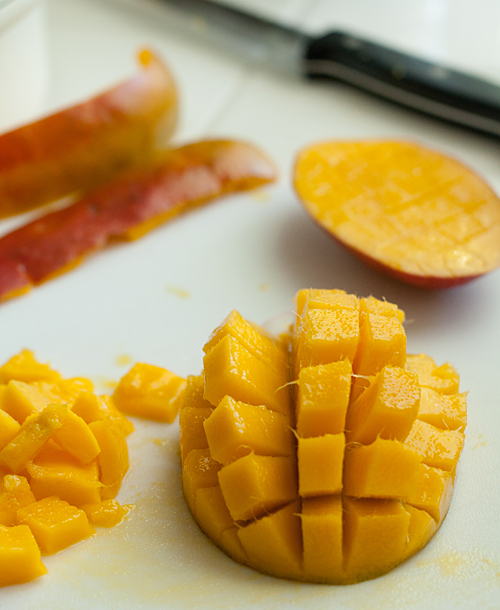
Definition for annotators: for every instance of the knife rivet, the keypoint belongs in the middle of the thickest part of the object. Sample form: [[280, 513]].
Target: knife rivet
[[349, 42], [438, 72]]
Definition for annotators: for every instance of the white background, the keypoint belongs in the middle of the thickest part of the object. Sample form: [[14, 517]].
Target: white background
[[158, 299]]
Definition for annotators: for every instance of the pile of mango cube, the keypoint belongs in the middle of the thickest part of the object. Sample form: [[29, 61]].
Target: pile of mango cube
[[63, 456]]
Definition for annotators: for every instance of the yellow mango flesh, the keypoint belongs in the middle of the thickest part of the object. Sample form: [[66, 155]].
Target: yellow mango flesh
[[405, 209], [234, 429], [19, 556], [150, 392], [368, 476], [63, 456], [55, 524]]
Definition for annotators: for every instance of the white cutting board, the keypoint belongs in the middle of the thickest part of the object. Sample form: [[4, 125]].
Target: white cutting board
[[157, 300]]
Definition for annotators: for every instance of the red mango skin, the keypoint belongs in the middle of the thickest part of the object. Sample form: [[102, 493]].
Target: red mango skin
[[126, 208], [82, 146]]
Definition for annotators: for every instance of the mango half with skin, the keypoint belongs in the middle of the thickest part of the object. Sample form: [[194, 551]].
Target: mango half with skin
[[407, 211], [325, 455]]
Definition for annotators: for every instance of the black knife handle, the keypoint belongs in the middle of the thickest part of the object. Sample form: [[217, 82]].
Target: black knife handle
[[406, 80]]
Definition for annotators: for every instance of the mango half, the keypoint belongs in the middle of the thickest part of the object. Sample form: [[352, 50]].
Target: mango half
[[325, 455], [403, 209]]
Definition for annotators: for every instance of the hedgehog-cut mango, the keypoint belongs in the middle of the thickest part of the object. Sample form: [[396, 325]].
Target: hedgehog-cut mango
[[334, 468]]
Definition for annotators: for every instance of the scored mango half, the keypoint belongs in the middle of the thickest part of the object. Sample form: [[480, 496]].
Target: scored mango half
[[408, 211], [326, 454]]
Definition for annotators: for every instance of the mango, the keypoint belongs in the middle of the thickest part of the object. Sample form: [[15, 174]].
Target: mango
[[55, 524], [150, 392], [20, 559], [63, 456], [129, 205], [335, 471], [81, 146], [403, 209]]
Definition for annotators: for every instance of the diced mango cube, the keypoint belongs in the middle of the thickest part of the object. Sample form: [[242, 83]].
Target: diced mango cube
[[420, 530], [433, 492], [382, 342], [320, 461], [55, 472], [235, 429], [25, 367], [193, 394], [438, 448], [95, 408], [20, 559], [199, 470], [193, 435], [77, 438], [15, 493], [55, 524], [232, 370], [384, 469], [386, 409], [322, 520], [254, 339], [274, 542], [230, 543], [447, 411], [382, 308], [443, 379], [151, 392], [211, 512], [20, 399], [314, 298], [322, 398], [9, 428], [327, 336], [375, 535], [69, 389], [256, 484], [33, 434]]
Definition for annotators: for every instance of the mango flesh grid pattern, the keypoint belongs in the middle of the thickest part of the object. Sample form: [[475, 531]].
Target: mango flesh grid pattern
[[360, 450]]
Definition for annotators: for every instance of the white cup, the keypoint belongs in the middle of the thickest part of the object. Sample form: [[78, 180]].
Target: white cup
[[24, 69]]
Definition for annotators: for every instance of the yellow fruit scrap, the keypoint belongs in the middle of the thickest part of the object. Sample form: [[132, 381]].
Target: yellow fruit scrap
[[151, 392], [32, 436], [107, 513], [366, 478], [61, 449], [25, 367]]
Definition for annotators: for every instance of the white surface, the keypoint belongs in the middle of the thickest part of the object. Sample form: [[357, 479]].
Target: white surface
[[24, 72], [252, 253]]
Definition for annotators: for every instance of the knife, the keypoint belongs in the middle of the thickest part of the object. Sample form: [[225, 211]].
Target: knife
[[426, 87]]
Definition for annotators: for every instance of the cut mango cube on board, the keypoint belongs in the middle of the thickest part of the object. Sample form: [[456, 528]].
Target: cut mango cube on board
[[334, 468], [63, 457]]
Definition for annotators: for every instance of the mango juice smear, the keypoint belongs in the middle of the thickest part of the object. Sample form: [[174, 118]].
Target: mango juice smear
[[326, 455], [63, 456]]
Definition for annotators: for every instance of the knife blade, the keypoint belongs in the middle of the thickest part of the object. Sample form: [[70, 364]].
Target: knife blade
[[423, 86]]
